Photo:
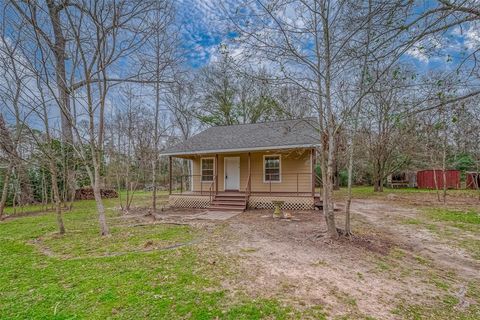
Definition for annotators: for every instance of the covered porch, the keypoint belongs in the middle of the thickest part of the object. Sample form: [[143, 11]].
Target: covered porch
[[251, 179]]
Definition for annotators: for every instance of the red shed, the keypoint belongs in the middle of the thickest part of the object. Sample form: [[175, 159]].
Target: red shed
[[473, 180], [426, 179]]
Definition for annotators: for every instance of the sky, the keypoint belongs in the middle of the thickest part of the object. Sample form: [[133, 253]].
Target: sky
[[204, 29]]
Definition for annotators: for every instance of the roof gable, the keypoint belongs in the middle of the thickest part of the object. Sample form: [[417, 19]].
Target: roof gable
[[256, 136]]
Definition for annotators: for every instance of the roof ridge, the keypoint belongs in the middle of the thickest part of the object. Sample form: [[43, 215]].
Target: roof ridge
[[263, 122]]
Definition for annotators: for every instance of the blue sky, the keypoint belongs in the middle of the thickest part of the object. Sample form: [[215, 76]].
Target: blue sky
[[204, 29]]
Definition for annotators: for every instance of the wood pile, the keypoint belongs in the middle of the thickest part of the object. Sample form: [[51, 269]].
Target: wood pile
[[87, 194]]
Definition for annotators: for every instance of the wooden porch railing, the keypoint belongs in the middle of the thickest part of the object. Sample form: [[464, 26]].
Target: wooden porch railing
[[295, 183], [184, 184]]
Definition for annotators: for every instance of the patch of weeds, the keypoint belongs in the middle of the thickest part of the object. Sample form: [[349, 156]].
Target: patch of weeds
[[344, 297], [412, 221], [432, 228], [360, 276], [319, 263], [248, 250], [383, 266], [397, 253], [450, 301], [472, 246], [315, 312], [445, 307], [439, 283], [421, 260]]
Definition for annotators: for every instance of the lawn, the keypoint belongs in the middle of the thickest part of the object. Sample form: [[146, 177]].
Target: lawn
[[131, 274], [249, 267]]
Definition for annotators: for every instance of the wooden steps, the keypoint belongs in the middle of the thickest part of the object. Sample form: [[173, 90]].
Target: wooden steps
[[229, 201]]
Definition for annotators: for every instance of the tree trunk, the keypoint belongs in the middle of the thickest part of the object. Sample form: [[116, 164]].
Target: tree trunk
[[328, 193], [98, 200], [56, 196], [378, 179], [64, 96], [6, 182]]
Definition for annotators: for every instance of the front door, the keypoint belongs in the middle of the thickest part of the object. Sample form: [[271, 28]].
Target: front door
[[232, 173]]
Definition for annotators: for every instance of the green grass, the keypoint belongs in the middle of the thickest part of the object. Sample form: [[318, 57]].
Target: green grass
[[140, 198], [84, 276], [453, 225], [443, 307], [463, 217], [361, 192]]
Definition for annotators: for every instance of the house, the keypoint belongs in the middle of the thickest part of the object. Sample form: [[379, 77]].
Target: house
[[247, 166]]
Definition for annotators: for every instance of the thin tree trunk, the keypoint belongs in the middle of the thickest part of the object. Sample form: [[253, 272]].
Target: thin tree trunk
[[155, 136], [6, 182], [330, 214], [436, 184], [444, 161], [98, 200], [56, 195]]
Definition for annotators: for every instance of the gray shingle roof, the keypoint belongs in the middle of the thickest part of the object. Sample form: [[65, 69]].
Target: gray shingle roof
[[257, 136]]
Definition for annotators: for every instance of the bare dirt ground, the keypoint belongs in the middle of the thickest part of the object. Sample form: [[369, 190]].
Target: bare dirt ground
[[386, 265]]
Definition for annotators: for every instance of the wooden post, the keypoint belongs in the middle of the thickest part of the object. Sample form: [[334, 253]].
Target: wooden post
[[170, 175], [216, 174], [312, 161]]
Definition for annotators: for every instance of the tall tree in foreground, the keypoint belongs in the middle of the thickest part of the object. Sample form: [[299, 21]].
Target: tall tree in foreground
[[48, 29], [159, 58], [102, 33]]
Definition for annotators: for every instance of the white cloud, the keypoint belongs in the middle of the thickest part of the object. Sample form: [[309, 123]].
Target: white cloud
[[418, 53]]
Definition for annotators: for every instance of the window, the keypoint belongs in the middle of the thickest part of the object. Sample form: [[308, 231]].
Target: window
[[207, 169], [271, 168]]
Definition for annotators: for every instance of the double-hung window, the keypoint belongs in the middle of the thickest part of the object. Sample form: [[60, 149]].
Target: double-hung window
[[207, 169], [271, 169]]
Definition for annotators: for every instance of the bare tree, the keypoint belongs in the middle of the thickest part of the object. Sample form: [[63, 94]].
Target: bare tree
[[159, 59], [49, 29], [102, 33]]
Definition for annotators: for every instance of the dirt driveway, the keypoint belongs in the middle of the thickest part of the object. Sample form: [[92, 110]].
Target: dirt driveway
[[388, 265]]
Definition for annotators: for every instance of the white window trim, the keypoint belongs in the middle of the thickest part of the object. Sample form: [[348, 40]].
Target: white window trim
[[280, 167], [201, 170]]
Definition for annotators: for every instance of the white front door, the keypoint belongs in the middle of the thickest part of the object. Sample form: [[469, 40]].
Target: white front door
[[232, 173]]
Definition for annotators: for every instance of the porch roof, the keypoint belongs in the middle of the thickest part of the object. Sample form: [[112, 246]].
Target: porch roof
[[287, 134]]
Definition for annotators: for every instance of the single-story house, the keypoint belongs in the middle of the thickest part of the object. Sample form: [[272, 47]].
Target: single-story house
[[248, 166]]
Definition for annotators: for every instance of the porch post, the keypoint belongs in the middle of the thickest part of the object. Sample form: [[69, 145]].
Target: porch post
[[170, 175], [312, 161], [216, 173], [249, 185]]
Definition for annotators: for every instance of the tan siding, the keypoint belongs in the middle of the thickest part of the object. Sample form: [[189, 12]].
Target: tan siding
[[295, 166]]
